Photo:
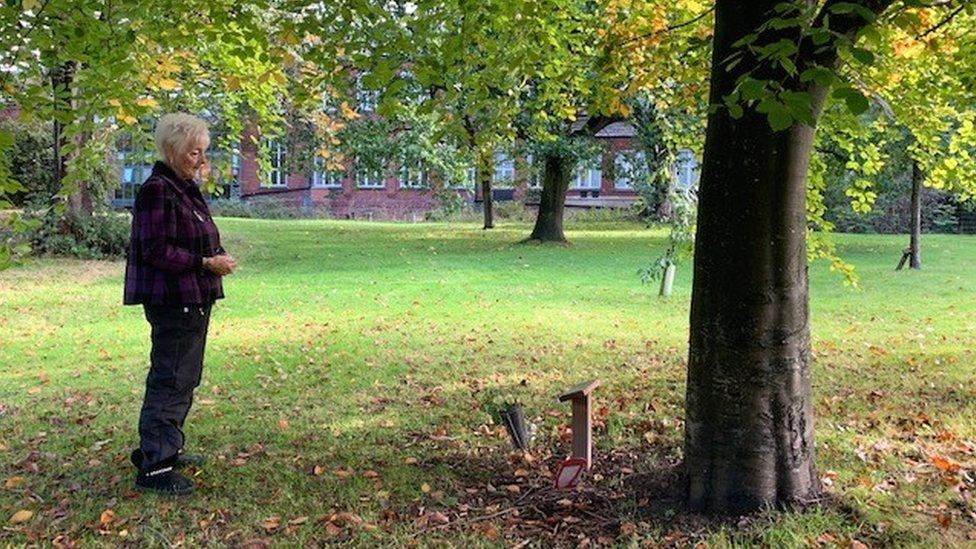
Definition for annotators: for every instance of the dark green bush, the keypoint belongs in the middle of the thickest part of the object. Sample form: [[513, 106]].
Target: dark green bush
[[100, 236]]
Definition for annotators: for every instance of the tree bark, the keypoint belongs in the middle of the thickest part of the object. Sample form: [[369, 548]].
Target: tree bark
[[915, 244], [485, 172], [749, 411], [79, 202], [552, 203]]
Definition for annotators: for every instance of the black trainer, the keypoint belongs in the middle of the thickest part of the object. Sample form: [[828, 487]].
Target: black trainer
[[182, 460], [164, 481]]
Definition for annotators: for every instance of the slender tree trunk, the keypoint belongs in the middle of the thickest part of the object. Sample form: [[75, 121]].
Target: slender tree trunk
[[61, 78], [915, 246], [552, 202], [79, 201], [485, 172], [749, 412]]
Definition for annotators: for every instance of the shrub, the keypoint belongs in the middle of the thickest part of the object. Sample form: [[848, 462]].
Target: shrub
[[99, 236], [31, 160]]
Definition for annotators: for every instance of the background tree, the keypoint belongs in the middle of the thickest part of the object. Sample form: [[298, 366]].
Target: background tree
[[96, 68]]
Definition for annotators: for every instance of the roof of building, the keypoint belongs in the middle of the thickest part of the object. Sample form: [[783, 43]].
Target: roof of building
[[618, 129]]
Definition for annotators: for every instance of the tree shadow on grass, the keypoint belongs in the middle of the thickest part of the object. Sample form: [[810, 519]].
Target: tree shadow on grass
[[630, 494]]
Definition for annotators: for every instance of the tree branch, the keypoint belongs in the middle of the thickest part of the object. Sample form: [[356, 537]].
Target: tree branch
[[942, 23], [671, 28]]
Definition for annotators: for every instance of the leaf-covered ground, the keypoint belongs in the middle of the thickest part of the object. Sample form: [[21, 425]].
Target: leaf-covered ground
[[350, 369]]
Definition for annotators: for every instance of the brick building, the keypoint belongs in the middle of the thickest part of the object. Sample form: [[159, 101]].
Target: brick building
[[403, 192]]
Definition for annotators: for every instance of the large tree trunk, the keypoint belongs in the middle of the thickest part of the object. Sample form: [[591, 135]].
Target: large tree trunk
[[749, 411], [552, 203], [915, 245]]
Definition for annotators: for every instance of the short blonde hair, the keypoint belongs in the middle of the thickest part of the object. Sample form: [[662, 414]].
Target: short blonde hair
[[176, 131]]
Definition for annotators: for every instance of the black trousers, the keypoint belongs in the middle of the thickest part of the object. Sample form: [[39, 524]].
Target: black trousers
[[179, 336]]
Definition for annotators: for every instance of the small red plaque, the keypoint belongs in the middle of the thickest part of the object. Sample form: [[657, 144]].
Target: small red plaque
[[569, 472]]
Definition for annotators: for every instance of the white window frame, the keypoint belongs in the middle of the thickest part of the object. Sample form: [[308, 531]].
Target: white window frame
[[624, 170], [369, 180], [588, 178], [412, 175], [504, 169], [685, 170], [326, 179], [366, 100], [470, 179], [276, 176]]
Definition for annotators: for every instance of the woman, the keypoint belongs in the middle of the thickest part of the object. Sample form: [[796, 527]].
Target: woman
[[174, 269]]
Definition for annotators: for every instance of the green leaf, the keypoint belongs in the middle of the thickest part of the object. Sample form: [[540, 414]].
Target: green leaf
[[863, 55], [855, 100], [735, 110], [752, 89], [780, 119]]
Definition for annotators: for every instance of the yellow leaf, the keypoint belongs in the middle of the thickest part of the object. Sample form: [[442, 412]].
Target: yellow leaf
[[146, 102], [21, 516], [168, 84], [32, 5], [13, 482], [233, 83], [347, 112]]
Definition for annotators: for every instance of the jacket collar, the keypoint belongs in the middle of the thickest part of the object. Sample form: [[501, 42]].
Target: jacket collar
[[162, 169]]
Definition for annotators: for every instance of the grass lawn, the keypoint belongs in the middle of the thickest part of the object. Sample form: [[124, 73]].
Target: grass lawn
[[345, 388]]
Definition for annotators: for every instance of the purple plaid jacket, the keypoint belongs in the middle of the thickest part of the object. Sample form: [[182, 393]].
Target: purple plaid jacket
[[172, 232]]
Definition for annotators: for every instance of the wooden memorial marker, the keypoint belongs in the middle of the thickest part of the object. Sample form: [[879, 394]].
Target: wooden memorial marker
[[582, 426]]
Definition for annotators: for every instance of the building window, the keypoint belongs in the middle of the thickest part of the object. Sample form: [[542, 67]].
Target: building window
[[588, 174], [685, 170], [469, 181], [134, 169], [369, 179], [412, 175], [326, 179], [504, 169], [366, 100], [629, 167], [277, 176]]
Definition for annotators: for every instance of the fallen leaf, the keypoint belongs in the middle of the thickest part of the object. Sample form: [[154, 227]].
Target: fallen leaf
[[945, 465], [13, 482], [425, 488], [628, 528], [21, 516], [271, 523], [283, 424], [513, 488], [318, 470], [438, 517], [107, 518], [297, 521]]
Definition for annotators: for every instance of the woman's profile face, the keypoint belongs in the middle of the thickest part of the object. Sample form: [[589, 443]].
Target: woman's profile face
[[189, 162]]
